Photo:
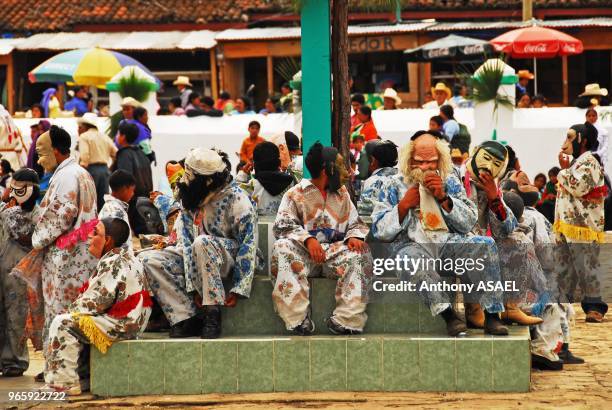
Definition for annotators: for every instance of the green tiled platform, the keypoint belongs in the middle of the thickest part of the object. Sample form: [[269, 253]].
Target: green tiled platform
[[315, 363]]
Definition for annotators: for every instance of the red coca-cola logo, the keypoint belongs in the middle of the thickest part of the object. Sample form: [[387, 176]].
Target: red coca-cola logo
[[535, 48], [570, 48]]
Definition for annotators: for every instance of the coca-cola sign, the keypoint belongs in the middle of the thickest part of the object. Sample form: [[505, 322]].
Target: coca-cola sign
[[571, 49], [473, 49], [535, 48], [438, 52]]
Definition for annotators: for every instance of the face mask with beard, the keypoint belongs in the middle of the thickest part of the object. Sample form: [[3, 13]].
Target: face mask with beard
[[490, 156], [46, 158]]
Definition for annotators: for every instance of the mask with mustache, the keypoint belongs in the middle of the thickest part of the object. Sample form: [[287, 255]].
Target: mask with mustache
[[490, 156]]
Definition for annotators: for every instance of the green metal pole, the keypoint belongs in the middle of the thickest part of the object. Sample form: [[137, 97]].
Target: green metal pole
[[316, 75]]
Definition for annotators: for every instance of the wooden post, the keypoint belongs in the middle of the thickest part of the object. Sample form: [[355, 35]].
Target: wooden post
[[214, 80], [270, 73], [564, 74], [316, 74], [10, 84], [527, 10]]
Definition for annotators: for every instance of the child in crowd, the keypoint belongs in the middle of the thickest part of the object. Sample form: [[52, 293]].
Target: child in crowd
[[249, 143], [116, 204]]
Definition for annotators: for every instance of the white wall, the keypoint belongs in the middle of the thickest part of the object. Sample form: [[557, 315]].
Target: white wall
[[536, 136]]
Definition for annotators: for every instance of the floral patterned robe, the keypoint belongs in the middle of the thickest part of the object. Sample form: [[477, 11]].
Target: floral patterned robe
[[115, 305], [305, 213], [66, 213], [15, 223], [267, 204], [371, 189], [116, 208], [579, 223], [409, 239]]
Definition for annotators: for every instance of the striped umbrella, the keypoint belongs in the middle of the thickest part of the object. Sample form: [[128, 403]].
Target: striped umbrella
[[89, 66]]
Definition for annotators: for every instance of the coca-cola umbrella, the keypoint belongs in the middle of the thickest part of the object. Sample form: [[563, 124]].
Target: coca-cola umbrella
[[449, 47], [536, 42]]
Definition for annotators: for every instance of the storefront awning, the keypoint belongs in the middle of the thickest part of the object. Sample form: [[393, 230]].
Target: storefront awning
[[288, 33], [7, 45], [140, 40], [506, 25]]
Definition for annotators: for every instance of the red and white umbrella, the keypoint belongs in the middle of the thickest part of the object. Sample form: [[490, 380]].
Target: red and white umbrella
[[536, 42]]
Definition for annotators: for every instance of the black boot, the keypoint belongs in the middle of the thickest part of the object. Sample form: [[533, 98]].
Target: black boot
[[212, 322], [568, 357], [338, 329], [542, 363], [186, 328], [306, 328], [454, 325], [493, 325]]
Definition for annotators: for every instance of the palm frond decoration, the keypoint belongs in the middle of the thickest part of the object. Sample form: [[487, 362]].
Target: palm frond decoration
[[485, 85], [287, 67], [134, 86]]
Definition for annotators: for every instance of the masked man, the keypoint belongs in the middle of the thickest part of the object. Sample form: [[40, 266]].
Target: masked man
[[518, 260], [579, 219], [16, 227], [67, 215], [216, 242], [114, 305], [318, 230], [382, 159], [426, 214]]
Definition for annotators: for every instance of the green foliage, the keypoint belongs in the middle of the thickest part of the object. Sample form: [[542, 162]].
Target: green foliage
[[115, 119], [485, 85], [132, 86], [287, 67]]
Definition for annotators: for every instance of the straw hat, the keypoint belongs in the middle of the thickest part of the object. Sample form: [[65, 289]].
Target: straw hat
[[594, 90], [391, 93], [525, 74], [89, 118], [130, 102], [182, 80], [442, 87]]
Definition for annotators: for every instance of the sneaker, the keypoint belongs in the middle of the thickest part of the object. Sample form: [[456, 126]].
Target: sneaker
[[594, 317], [306, 328], [337, 329]]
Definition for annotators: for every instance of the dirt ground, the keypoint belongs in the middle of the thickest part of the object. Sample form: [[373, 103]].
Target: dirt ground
[[578, 386]]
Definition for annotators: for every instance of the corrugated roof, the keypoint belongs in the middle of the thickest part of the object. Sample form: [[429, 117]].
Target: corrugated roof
[[500, 25], [140, 40], [8, 44], [285, 33]]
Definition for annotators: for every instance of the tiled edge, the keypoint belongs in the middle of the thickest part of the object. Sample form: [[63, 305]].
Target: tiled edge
[[400, 364], [437, 364], [182, 367], [511, 365], [328, 364], [255, 366], [220, 366], [474, 364], [292, 365], [365, 364]]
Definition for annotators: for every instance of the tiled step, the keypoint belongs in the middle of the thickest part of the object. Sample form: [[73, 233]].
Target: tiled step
[[387, 313], [316, 363]]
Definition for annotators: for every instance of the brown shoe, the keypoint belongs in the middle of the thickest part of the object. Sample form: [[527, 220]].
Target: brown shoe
[[594, 317], [474, 316], [513, 314]]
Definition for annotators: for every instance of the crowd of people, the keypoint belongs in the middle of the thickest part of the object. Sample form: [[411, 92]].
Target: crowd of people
[[71, 276]]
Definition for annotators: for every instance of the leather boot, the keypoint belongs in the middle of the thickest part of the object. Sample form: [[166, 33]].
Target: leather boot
[[474, 316], [493, 325], [513, 314], [542, 363], [212, 322], [568, 357], [186, 328], [454, 325]]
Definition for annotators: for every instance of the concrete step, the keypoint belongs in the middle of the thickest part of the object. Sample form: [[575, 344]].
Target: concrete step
[[403, 362]]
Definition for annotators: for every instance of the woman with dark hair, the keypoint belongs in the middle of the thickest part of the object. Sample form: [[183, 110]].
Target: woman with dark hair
[[602, 136], [271, 106], [451, 126], [17, 225], [6, 170], [141, 120], [242, 106]]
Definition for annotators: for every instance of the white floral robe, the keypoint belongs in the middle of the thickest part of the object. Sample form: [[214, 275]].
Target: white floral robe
[[115, 305], [218, 241], [371, 188], [116, 208], [409, 239], [15, 223], [267, 204], [579, 225], [304, 214], [66, 213]]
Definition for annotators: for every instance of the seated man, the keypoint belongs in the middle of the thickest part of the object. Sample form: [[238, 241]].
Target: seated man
[[318, 230], [116, 204], [269, 183], [17, 221], [425, 211], [114, 305], [382, 159], [215, 240], [579, 220], [518, 260]]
